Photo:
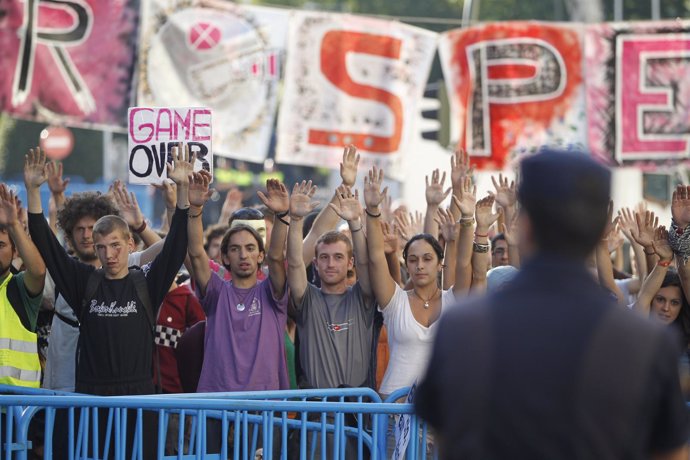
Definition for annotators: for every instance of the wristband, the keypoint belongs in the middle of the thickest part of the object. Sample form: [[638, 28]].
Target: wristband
[[466, 222], [480, 235], [141, 228], [372, 215], [480, 247], [648, 253], [282, 214], [662, 263], [194, 216], [281, 217], [356, 230]]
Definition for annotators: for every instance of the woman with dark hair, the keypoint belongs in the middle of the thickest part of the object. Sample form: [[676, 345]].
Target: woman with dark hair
[[661, 295], [411, 316]]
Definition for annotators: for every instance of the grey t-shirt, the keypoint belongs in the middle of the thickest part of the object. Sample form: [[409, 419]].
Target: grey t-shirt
[[335, 333]]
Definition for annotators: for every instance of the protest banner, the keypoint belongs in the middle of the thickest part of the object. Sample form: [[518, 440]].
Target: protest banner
[[352, 80], [514, 87], [154, 131], [219, 55], [67, 62], [638, 90]]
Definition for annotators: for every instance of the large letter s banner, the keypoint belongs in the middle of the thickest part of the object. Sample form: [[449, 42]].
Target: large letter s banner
[[68, 59], [639, 90], [351, 80], [513, 87]]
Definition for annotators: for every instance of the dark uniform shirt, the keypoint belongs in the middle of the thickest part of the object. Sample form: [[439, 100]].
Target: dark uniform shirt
[[551, 368]]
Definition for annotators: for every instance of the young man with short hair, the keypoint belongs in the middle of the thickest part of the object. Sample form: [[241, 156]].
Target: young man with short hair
[[335, 322], [244, 348], [116, 329]]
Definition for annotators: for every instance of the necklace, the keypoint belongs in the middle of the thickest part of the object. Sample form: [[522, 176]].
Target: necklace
[[241, 306], [426, 301]]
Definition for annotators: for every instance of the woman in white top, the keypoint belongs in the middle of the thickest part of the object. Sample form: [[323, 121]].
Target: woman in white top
[[410, 316]]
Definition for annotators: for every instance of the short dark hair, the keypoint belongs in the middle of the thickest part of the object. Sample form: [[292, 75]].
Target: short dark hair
[[333, 237], [435, 245], [225, 243], [566, 197], [85, 204], [498, 237], [213, 232]]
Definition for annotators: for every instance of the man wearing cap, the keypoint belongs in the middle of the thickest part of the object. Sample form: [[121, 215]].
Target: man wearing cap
[[549, 367]]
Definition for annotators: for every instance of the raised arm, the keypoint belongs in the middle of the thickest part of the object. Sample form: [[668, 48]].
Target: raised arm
[[57, 186], [506, 197], [9, 218], [434, 197], [679, 234], [653, 282], [480, 249], [464, 201], [382, 283], [628, 225], [348, 208], [647, 222], [198, 194], [510, 232], [327, 218], [449, 230], [277, 200], [603, 257], [129, 210], [391, 247], [300, 206]]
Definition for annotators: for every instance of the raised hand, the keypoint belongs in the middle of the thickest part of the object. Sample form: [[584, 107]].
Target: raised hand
[[199, 192], [460, 168], [300, 200], [610, 222], [484, 214], [506, 193], [446, 224], [434, 190], [56, 183], [403, 225], [348, 206], [9, 209], [348, 167], [646, 225], [627, 223], [276, 197], [661, 245], [182, 164], [680, 206], [466, 197], [390, 239], [169, 190], [615, 239], [373, 196], [417, 222], [35, 168], [128, 205], [510, 231]]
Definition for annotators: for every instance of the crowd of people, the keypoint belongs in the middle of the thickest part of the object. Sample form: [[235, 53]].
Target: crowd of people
[[281, 296]]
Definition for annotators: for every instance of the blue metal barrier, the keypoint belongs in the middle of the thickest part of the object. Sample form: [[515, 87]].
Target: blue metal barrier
[[96, 427]]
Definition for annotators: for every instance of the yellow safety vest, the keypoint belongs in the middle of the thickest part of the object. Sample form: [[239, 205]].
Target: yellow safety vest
[[19, 363]]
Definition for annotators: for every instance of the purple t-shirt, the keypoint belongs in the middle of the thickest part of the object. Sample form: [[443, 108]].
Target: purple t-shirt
[[244, 348]]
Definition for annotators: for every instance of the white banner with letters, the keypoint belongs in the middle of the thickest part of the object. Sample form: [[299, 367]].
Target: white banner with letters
[[219, 55], [352, 80], [153, 132]]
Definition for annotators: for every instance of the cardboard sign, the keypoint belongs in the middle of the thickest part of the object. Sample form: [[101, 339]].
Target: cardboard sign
[[154, 131]]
